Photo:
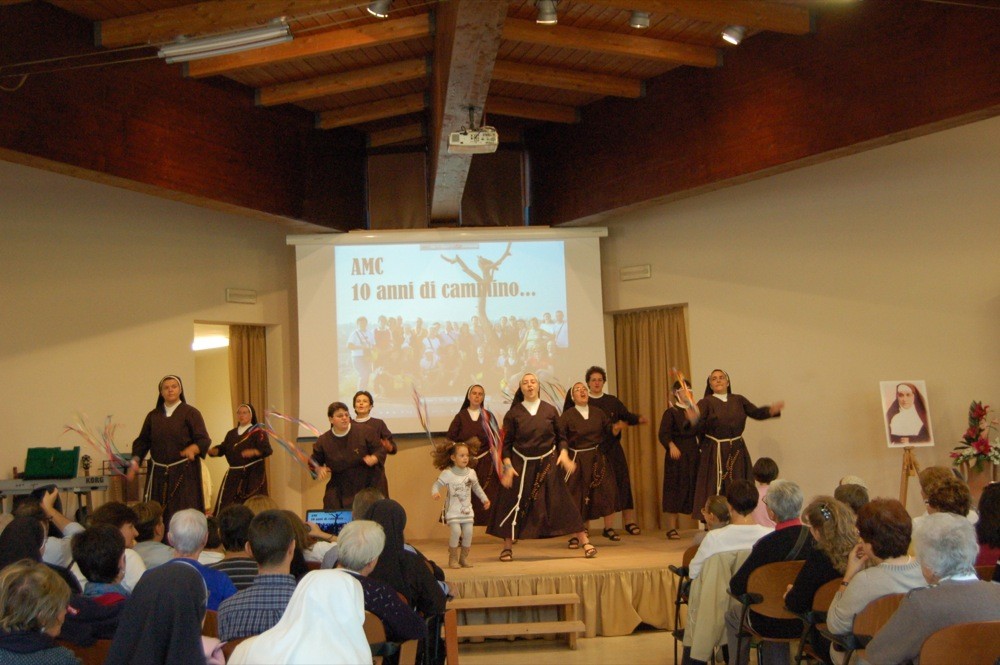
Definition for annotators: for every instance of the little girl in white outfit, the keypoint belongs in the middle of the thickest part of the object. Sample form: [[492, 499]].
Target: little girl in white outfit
[[461, 482]]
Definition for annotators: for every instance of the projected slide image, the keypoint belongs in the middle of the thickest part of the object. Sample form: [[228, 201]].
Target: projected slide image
[[441, 316]]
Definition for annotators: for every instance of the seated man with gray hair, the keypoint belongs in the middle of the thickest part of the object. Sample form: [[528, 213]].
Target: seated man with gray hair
[[188, 534], [790, 541], [946, 549], [360, 543]]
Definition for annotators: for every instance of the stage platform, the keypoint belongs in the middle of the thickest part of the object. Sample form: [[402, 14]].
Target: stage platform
[[626, 584]]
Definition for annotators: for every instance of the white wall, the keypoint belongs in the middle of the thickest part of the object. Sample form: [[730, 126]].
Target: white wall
[[813, 285], [99, 291]]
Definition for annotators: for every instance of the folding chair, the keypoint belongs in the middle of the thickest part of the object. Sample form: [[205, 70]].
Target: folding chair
[[95, 654], [978, 642], [766, 588], [815, 618], [681, 597], [868, 622], [708, 602], [210, 626]]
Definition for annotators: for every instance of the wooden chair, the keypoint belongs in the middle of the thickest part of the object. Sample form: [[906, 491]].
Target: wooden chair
[[683, 582], [985, 573], [313, 565], [210, 626], [978, 643], [815, 619], [451, 636], [381, 646], [95, 654], [866, 624], [766, 588], [230, 646]]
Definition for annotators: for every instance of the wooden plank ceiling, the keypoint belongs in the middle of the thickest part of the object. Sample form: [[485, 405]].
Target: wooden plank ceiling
[[410, 78]]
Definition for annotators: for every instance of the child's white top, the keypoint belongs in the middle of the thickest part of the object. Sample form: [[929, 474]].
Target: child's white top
[[460, 483]]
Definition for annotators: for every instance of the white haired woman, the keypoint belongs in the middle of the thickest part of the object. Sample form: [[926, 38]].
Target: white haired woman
[[946, 549]]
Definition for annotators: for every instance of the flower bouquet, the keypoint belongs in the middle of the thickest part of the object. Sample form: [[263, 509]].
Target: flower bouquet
[[976, 448]]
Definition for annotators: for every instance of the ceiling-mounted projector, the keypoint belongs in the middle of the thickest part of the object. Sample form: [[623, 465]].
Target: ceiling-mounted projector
[[473, 141]]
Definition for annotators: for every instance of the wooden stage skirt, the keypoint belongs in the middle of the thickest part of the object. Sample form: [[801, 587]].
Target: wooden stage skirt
[[626, 584]]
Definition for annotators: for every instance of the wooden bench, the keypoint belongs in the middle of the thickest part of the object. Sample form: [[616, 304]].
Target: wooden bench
[[568, 622]]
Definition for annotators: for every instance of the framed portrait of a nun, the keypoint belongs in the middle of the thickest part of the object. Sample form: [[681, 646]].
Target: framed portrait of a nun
[[907, 413]]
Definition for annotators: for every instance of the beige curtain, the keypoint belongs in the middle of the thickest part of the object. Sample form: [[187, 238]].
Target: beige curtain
[[248, 367], [648, 343]]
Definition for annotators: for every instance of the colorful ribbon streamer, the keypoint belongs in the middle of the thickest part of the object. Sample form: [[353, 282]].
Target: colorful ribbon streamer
[[103, 442]]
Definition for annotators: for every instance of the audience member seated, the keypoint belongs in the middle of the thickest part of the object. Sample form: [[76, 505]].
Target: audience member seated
[[99, 551], [852, 495], [950, 495], [360, 543], [741, 533], [188, 533], [988, 527], [149, 543], [212, 553], [301, 531], [324, 623], [946, 549], [831, 524], [161, 622], [406, 572], [878, 565], [24, 538], [122, 518], [234, 523], [931, 476], [271, 541], [32, 609], [853, 480], [765, 470], [312, 548], [59, 529], [715, 513], [258, 503], [363, 500], [790, 541]]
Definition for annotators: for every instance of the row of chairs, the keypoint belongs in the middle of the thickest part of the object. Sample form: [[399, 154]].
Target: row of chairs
[[766, 588]]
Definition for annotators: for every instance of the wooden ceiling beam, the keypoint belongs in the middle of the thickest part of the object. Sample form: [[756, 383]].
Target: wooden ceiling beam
[[334, 84], [316, 44], [396, 135], [200, 18], [384, 108], [566, 79], [759, 14], [465, 50], [522, 108], [610, 43]]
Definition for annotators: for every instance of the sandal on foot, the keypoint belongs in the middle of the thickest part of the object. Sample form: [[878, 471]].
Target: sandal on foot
[[673, 535], [574, 543], [506, 555], [610, 534], [633, 529], [589, 551]]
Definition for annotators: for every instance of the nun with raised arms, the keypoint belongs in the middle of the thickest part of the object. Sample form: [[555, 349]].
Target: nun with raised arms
[[724, 456]]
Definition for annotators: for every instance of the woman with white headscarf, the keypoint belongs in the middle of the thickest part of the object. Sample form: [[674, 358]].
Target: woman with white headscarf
[[323, 623]]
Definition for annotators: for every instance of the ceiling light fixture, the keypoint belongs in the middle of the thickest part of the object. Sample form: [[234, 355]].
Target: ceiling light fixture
[[734, 34], [546, 12], [639, 20], [380, 8], [185, 50]]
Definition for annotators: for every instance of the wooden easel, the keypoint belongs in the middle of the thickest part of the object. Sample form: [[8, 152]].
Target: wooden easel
[[910, 468]]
